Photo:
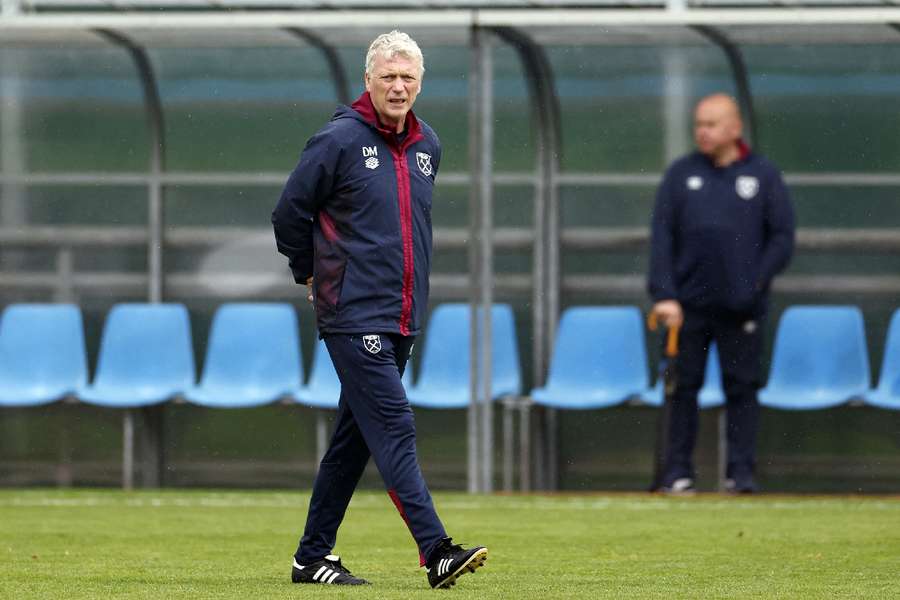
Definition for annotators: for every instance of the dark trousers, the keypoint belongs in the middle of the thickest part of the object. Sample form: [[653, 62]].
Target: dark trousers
[[374, 419], [739, 340]]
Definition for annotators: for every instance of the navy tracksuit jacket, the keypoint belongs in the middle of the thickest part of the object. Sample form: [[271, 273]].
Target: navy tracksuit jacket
[[719, 237], [355, 214]]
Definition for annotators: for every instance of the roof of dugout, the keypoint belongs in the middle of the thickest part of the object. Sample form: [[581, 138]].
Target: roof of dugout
[[257, 22]]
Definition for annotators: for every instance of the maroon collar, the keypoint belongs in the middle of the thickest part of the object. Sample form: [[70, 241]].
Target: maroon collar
[[743, 153], [743, 149], [366, 110]]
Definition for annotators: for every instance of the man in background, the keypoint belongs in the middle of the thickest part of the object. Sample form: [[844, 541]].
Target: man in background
[[722, 228], [354, 221]]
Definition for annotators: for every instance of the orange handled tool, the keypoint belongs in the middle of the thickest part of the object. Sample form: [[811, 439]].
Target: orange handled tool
[[671, 336], [669, 378]]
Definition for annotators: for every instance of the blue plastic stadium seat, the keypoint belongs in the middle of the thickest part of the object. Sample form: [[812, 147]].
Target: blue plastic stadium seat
[[253, 356], [599, 359], [145, 356], [711, 394], [887, 394], [42, 355], [324, 388], [444, 374], [820, 359]]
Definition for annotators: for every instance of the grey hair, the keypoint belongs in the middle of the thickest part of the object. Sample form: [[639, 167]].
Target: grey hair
[[390, 45]]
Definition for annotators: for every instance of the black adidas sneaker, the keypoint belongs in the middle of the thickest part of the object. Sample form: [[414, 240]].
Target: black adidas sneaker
[[327, 570], [450, 561]]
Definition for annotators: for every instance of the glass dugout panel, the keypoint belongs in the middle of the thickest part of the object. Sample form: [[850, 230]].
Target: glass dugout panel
[[241, 108], [77, 108], [621, 100], [828, 107]]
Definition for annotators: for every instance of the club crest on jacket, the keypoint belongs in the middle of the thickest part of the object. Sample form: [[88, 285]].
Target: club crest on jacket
[[372, 343], [424, 162], [746, 186]]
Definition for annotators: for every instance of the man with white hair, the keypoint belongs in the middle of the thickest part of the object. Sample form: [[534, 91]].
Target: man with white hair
[[354, 221]]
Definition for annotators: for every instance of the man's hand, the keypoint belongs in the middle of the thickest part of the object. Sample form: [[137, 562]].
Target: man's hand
[[669, 312], [309, 294]]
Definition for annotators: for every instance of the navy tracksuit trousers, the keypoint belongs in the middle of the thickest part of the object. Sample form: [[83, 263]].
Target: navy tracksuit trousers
[[374, 419], [739, 341]]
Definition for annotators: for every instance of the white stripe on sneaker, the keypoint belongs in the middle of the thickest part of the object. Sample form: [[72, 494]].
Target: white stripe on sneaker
[[333, 577], [319, 572], [297, 566]]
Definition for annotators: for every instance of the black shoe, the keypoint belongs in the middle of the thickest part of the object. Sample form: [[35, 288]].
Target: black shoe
[[327, 570], [450, 561]]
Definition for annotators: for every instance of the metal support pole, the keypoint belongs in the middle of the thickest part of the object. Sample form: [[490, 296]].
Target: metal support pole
[[546, 282], [128, 449], [675, 104], [153, 464], [481, 143], [152, 442], [551, 428], [473, 439], [549, 155], [155, 220], [12, 148], [486, 285], [64, 467], [524, 446], [65, 290], [537, 446], [539, 318], [508, 444], [64, 293]]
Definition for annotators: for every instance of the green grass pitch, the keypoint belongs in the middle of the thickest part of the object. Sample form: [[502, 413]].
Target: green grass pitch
[[201, 544]]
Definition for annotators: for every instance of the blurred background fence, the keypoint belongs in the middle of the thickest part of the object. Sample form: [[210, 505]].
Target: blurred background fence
[[141, 154]]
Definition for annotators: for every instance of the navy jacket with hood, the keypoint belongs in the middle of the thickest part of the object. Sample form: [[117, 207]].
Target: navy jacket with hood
[[720, 234], [355, 215]]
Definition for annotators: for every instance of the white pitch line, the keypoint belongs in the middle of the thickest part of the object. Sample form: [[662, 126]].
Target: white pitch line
[[300, 501]]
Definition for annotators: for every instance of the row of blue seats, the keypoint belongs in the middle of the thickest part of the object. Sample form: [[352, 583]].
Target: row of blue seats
[[820, 360], [253, 358]]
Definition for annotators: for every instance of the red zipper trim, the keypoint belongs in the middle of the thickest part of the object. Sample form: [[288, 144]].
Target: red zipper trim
[[366, 110], [403, 198]]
